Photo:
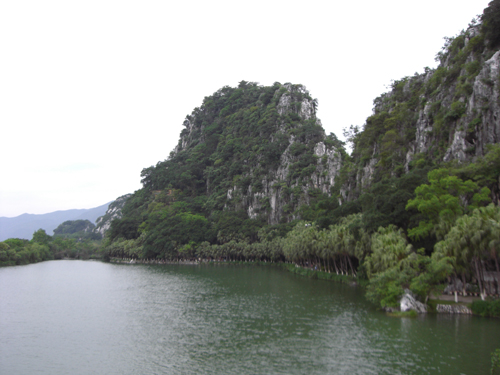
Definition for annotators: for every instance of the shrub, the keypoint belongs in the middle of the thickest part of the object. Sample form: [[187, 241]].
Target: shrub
[[476, 44], [486, 308], [473, 68], [456, 111]]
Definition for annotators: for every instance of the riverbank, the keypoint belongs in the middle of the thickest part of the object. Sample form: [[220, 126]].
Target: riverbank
[[152, 261], [292, 267], [441, 304]]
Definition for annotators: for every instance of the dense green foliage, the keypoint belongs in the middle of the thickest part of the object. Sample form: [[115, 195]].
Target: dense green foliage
[[251, 180], [77, 229], [495, 362], [235, 139], [177, 225], [15, 251], [486, 308], [472, 240], [491, 23], [231, 149], [442, 201]]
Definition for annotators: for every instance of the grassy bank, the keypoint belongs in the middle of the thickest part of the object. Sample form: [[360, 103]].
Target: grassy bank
[[488, 308]]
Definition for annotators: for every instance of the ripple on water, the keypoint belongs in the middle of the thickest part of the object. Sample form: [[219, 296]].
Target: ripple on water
[[80, 317]]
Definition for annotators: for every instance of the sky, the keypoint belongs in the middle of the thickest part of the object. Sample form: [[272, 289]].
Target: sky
[[92, 92]]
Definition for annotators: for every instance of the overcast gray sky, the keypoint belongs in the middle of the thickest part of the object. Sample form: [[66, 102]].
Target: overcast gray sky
[[92, 92]]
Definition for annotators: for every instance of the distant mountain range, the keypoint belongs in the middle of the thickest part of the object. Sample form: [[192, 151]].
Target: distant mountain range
[[23, 226]]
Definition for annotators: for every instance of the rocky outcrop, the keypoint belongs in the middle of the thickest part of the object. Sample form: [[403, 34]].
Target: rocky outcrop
[[453, 309], [277, 190], [103, 223], [450, 113], [329, 162], [485, 100], [327, 167], [408, 302]]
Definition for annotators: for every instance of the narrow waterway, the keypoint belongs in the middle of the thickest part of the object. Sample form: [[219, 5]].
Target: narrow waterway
[[76, 317]]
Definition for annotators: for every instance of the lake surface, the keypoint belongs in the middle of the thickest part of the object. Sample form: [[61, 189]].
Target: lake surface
[[83, 317]]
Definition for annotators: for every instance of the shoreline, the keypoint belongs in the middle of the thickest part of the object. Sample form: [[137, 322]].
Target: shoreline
[[434, 305]]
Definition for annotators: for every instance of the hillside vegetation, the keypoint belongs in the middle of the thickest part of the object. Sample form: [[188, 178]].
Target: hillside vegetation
[[79, 244], [255, 177]]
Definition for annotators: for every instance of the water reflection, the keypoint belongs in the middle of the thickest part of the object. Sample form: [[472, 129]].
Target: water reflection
[[80, 317]]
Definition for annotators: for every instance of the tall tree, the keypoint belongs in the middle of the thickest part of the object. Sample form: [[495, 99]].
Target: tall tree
[[389, 247], [41, 237], [445, 198], [473, 238]]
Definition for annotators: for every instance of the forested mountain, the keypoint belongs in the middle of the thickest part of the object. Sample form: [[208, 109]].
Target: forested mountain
[[249, 157], [77, 229], [254, 176], [451, 113], [259, 150]]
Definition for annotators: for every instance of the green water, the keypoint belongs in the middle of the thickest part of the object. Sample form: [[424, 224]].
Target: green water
[[75, 317]]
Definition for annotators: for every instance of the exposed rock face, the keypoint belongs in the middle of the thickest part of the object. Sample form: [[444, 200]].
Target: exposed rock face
[[453, 309], [286, 103], [276, 191], [408, 302], [483, 101], [327, 168], [451, 113], [423, 129], [114, 211], [326, 171], [328, 165], [485, 98]]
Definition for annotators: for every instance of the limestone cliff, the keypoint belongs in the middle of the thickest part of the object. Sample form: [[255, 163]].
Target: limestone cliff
[[447, 114], [258, 149], [114, 211], [252, 156], [281, 194]]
